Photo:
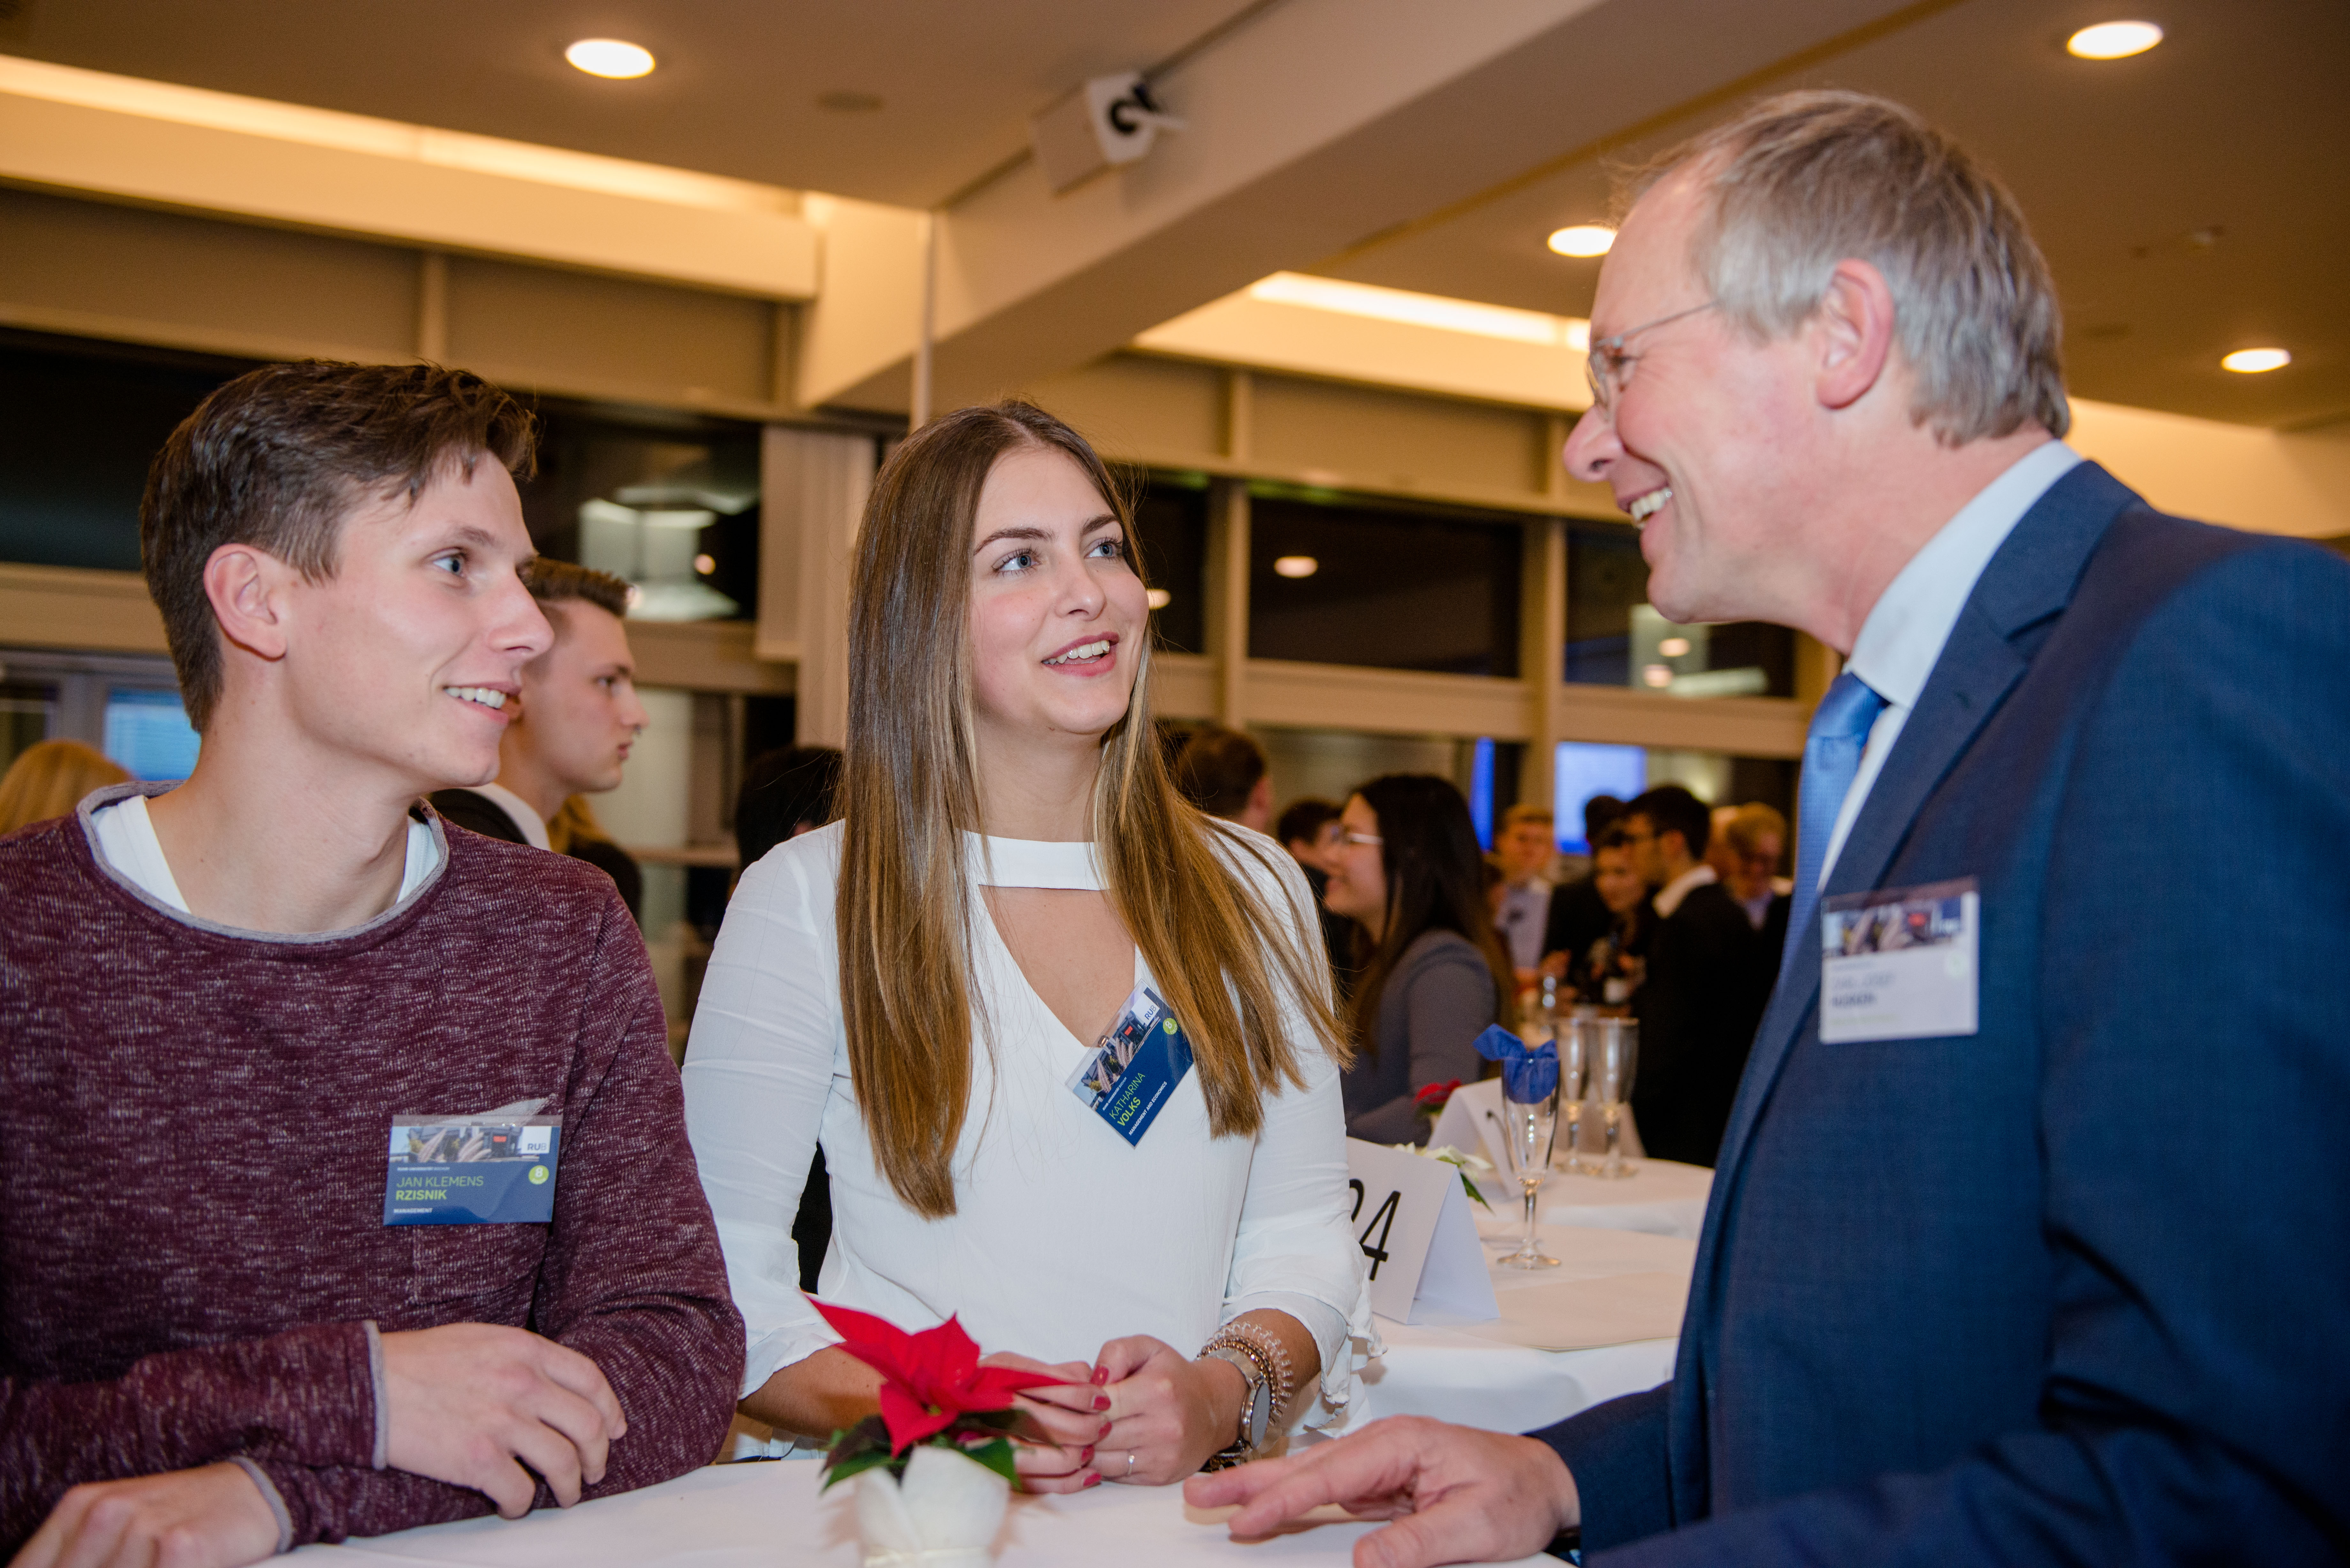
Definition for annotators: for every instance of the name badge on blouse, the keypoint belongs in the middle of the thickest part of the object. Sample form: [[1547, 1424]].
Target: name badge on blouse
[[1898, 963], [1127, 1078], [491, 1167]]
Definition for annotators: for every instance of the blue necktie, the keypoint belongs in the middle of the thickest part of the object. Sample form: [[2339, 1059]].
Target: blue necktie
[[1832, 752]]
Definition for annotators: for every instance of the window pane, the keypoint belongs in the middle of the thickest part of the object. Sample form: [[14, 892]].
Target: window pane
[[79, 423], [1614, 638], [148, 735], [1337, 581], [1171, 521], [1717, 778], [672, 505]]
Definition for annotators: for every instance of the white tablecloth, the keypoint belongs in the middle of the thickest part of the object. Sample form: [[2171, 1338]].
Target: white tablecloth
[[770, 1516], [1454, 1374], [1665, 1199]]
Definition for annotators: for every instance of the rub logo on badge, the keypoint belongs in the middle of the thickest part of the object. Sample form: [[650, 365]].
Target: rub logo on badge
[[538, 1175]]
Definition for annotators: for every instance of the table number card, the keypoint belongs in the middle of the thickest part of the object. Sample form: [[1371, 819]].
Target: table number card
[[1411, 1218]]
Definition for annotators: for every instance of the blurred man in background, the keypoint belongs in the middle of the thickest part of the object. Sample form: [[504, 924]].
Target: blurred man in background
[[1224, 774], [1578, 916], [579, 716], [1524, 849]]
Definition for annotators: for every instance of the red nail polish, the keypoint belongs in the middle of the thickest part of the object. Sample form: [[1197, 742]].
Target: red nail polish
[[1087, 1458], [1103, 1433], [1101, 1401], [1101, 1375], [1092, 1480]]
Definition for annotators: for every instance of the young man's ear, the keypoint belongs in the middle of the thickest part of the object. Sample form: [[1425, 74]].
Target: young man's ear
[[247, 587]]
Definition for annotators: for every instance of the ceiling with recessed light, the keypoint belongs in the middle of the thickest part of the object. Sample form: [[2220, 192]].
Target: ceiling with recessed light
[[2193, 200]]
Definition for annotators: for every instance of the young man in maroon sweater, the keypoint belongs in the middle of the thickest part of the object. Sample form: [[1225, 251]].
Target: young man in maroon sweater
[[223, 1006]]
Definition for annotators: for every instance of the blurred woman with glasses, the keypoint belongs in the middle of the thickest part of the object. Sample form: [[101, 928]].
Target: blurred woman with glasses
[[1434, 973]]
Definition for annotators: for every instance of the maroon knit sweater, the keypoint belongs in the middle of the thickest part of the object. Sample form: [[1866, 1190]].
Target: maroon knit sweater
[[194, 1132]]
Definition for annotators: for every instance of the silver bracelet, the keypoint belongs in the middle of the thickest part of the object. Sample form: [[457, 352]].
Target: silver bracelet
[[1263, 1347]]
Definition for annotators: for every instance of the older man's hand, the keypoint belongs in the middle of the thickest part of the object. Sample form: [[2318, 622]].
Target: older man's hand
[[1457, 1494]]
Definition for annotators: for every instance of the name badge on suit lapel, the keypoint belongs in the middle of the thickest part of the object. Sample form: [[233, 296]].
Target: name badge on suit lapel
[[1900, 963]]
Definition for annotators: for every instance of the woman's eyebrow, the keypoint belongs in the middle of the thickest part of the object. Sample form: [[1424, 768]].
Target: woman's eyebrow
[[1106, 520], [1023, 533]]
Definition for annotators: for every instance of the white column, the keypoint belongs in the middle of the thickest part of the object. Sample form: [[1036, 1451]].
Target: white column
[[811, 490]]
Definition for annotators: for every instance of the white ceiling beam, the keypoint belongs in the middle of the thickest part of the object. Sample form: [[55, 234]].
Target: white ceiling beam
[[154, 144], [1319, 125]]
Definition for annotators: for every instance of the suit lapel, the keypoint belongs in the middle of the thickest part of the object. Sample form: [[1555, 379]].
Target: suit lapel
[[2030, 578]]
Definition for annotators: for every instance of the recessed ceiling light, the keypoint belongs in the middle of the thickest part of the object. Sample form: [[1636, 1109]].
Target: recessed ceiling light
[[1657, 675], [2113, 40], [610, 57], [1296, 566], [705, 564], [1583, 240], [1159, 598], [1674, 647], [2253, 361]]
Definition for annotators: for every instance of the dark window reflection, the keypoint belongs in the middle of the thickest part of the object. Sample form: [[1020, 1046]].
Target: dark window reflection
[[1615, 638], [669, 504], [80, 422], [1339, 581], [1171, 520]]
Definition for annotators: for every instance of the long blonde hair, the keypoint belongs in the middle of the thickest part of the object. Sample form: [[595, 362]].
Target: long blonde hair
[[49, 779], [1220, 956]]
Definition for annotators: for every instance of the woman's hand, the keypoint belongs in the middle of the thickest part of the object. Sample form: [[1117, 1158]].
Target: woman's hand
[[1071, 1413], [1167, 1414]]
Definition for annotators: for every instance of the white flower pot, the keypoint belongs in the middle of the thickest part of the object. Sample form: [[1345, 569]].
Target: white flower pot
[[944, 1514]]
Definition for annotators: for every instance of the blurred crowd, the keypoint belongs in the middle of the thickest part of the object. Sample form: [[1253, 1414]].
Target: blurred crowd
[[1676, 917]]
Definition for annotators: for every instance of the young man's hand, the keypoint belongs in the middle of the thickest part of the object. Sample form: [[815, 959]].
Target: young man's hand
[[214, 1517], [471, 1404], [1457, 1494]]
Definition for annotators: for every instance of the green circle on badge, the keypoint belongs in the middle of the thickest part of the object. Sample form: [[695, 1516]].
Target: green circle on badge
[[1169, 1026], [538, 1175]]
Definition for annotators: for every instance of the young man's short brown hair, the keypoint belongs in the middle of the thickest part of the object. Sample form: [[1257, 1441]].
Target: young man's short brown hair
[[553, 582], [277, 458]]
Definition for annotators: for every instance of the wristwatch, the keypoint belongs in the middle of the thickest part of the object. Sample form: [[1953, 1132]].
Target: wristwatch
[[1256, 1407]]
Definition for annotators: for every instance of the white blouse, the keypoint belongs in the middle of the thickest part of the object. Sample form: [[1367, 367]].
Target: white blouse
[[1064, 1236]]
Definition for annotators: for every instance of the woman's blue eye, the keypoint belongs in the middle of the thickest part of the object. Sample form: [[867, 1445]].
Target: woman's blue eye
[[1110, 548], [1022, 560], [456, 563]]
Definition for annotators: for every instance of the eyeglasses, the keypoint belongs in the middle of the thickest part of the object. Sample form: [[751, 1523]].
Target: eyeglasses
[[1606, 365], [1370, 838]]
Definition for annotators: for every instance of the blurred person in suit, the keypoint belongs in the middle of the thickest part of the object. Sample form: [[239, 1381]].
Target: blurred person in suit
[[1224, 774], [1578, 916], [1524, 849], [580, 717], [1752, 843], [1966, 1296], [48, 779], [1610, 973], [1699, 1002], [1434, 974]]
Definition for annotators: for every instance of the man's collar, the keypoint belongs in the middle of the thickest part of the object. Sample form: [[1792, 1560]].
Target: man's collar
[[1669, 897], [1904, 634]]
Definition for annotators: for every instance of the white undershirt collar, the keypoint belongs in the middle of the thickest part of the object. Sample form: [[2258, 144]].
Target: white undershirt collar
[[126, 840], [1669, 897]]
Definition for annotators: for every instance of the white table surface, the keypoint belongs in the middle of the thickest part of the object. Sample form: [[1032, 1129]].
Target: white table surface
[[770, 1515], [1665, 1199], [1452, 1375]]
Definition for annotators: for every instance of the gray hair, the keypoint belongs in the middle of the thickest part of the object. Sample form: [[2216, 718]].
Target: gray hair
[[1803, 181]]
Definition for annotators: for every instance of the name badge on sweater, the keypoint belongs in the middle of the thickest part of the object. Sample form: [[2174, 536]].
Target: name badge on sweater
[[1898, 963], [491, 1167], [1127, 1078]]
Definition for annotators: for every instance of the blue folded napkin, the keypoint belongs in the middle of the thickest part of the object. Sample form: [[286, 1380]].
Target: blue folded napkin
[[1527, 1076]]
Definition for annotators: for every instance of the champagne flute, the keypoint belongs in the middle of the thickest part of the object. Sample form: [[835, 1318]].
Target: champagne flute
[[1574, 1037], [1614, 1059], [1529, 1128]]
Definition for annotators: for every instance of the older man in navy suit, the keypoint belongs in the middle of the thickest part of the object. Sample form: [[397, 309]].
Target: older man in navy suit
[[1968, 1290]]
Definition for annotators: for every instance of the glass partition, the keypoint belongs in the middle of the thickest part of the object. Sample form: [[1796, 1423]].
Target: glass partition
[[1343, 580], [1616, 637]]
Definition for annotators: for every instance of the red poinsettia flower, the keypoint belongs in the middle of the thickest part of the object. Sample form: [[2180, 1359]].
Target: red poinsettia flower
[[929, 1378], [1433, 1098]]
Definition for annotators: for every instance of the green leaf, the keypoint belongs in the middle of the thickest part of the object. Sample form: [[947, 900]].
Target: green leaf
[[996, 1456], [1475, 1193], [876, 1458]]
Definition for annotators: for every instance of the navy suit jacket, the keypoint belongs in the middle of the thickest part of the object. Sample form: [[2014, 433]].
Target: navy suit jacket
[[1997, 1298]]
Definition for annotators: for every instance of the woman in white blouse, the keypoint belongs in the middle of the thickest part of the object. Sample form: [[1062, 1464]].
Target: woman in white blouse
[[913, 987]]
